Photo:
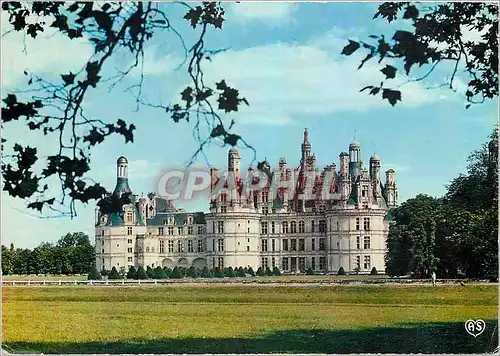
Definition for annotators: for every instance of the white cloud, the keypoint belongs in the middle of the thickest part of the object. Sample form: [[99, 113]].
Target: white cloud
[[49, 53], [272, 13]]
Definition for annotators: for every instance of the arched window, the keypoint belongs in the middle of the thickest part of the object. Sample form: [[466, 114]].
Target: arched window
[[147, 249], [301, 226], [293, 227], [285, 227]]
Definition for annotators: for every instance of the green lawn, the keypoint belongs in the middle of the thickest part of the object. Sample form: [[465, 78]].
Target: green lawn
[[248, 318]]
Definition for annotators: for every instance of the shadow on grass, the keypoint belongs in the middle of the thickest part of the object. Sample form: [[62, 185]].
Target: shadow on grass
[[412, 338]]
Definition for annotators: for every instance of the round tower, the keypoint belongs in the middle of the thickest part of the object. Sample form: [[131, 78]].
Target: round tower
[[354, 159], [122, 177]]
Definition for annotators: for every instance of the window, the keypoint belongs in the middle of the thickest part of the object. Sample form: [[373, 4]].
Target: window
[[102, 251], [265, 210], [162, 246], [129, 250], [366, 243], [302, 244], [273, 262], [180, 230], [285, 227], [284, 263], [264, 245], [223, 197], [293, 245], [220, 245], [358, 261], [170, 246], [357, 224], [129, 217], [190, 230], [102, 242], [312, 226], [302, 263], [273, 245], [293, 227], [263, 229], [337, 225], [313, 244], [160, 231], [213, 245], [301, 227], [364, 191], [322, 226], [129, 230], [223, 209], [322, 244], [171, 220], [285, 244], [170, 230], [180, 246], [213, 227], [265, 197], [313, 263], [322, 263], [103, 262], [190, 246], [273, 227], [220, 261], [358, 243], [147, 249], [366, 223], [264, 262], [220, 227], [248, 248], [130, 259], [102, 232], [200, 230], [367, 262], [129, 241]]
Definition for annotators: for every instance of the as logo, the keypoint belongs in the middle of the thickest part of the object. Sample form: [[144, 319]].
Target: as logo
[[475, 327]]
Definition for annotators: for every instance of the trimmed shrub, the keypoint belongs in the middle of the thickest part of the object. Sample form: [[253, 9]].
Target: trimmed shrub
[[218, 273], [269, 272], [245, 270], [141, 273], [159, 273], [192, 272], [150, 272], [309, 272], [276, 271], [341, 272], [374, 271], [183, 271], [229, 272], [94, 274], [168, 271], [260, 272], [114, 274], [104, 272], [176, 273], [251, 272], [132, 273], [205, 273], [241, 272]]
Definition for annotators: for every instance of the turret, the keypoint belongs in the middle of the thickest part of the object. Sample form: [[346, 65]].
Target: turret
[[354, 159], [233, 161], [305, 148], [391, 191], [121, 177]]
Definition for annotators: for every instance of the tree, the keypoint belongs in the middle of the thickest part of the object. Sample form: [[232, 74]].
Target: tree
[[218, 273], [150, 272], [260, 272], [251, 272], [74, 239], [176, 273], [132, 273], [341, 272], [205, 273], [94, 274], [192, 272], [309, 272], [374, 271], [411, 239], [269, 272], [229, 272], [113, 28], [167, 271], [113, 274], [6, 260], [141, 273], [437, 34], [159, 273], [241, 272], [276, 271]]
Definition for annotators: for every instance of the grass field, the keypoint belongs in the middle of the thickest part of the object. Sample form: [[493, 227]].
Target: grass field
[[250, 319]]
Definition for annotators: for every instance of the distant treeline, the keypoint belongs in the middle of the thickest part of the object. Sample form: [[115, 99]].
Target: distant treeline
[[72, 254]]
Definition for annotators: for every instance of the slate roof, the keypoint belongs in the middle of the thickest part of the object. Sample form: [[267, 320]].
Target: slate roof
[[180, 218]]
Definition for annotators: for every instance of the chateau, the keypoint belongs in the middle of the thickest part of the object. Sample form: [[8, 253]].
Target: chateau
[[303, 217]]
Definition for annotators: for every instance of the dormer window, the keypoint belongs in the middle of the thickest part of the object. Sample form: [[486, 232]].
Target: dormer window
[[171, 220], [190, 220], [129, 217]]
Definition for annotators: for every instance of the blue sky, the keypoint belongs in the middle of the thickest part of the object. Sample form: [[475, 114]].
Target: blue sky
[[285, 59]]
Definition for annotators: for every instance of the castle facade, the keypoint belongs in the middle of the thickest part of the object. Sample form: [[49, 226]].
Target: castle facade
[[296, 219]]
